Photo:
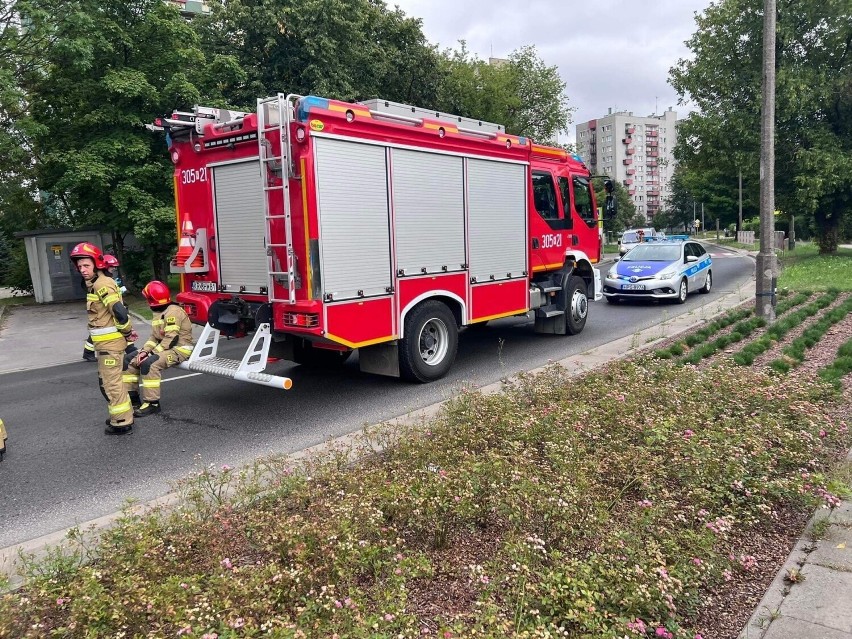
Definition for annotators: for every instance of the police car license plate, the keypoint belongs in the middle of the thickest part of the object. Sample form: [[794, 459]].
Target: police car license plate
[[633, 287], [205, 287]]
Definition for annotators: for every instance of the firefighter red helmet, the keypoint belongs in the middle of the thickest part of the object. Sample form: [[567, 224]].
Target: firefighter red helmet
[[111, 261], [157, 294], [87, 249]]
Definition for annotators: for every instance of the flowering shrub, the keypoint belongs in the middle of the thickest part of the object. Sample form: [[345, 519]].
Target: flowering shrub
[[557, 508]]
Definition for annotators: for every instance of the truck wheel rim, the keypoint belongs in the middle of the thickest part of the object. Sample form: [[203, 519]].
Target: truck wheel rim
[[434, 342], [579, 305]]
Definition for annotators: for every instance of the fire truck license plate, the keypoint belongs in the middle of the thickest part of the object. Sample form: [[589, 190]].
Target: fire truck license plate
[[633, 287], [206, 287]]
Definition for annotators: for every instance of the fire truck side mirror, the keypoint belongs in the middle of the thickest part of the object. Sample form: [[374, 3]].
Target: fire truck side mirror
[[610, 205]]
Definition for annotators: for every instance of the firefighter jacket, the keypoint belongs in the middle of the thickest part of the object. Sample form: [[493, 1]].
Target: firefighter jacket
[[102, 295], [171, 328]]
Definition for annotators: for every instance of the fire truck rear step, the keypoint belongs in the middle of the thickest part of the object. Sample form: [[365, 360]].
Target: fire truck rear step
[[249, 369]]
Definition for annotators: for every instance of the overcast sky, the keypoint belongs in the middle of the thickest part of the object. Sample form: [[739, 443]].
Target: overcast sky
[[611, 53]]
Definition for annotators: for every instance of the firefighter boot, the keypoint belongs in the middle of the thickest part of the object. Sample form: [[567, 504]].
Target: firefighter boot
[[111, 429], [147, 408]]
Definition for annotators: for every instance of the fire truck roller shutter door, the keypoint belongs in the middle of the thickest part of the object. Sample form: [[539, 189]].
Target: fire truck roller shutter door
[[428, 202], [497, 197], [352, 196], [241, 226]]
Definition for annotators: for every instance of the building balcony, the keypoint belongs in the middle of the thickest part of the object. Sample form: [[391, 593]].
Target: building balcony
[[652, 143], [629, 129], [593, 124], [631, 171], [630, 151], [653, 154], [627, 182], [631, 192], [651, 163], [627, 140], [654, 193], [627, 161]]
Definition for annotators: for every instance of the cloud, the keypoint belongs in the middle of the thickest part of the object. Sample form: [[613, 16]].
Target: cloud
[[611, 53]]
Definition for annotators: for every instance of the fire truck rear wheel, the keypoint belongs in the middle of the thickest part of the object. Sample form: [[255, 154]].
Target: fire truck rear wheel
[[578, 305], [428, 348]]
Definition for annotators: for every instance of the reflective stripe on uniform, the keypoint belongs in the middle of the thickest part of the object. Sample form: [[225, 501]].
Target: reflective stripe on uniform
[[87, 345], [158, 348], [184, 350], [124, 326], [91, 297], [172, 329], [156, 322], [149, 383], [111, 299], [130, 379], [102, 331], [121, 408], [106, 337]]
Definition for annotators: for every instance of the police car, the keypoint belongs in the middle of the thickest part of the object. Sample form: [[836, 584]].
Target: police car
[[661, 269]]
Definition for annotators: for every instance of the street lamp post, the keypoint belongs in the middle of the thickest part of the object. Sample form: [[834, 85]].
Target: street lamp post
[[767, 265]]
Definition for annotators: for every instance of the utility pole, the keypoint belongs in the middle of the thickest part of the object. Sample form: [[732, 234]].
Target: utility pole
[[767, 266], [703, 228], [692, 221], [740, 218]]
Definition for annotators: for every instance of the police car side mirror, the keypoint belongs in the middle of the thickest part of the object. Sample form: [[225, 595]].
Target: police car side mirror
[[690, 259]]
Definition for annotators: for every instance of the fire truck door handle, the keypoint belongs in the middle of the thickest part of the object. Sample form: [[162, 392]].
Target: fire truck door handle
[[535, 243], [574, 240]]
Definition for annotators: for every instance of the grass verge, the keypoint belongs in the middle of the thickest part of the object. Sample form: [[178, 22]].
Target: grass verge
[[553, 509], [805, 269]]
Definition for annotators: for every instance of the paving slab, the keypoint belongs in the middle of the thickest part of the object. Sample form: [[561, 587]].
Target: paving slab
[[789, 628], [823, 598], [834, 550]]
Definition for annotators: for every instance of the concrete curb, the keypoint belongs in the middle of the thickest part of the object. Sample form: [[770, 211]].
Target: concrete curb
[[575, 365]]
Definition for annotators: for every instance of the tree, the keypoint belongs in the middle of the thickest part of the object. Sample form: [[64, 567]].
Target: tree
[[522, 93], [813, 104], [110, 71], [342, 49]]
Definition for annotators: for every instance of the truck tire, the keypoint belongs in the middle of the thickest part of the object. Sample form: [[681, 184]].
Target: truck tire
[[305, 354], [428, 348], [577, 305]]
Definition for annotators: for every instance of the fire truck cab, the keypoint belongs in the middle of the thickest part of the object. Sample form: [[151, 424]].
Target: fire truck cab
[[327, 227]]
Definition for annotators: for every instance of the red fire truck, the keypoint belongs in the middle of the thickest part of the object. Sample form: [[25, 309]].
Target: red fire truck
[[326, 227]]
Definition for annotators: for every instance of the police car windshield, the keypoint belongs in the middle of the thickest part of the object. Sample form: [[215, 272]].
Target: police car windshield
[[654, 253]]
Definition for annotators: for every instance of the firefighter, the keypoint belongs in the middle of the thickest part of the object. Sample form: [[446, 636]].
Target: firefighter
[[170, 344], [88, 347], [2, 440], [109, 327]]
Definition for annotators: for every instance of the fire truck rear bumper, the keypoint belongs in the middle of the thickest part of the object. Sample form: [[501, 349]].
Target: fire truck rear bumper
[[196, 305]]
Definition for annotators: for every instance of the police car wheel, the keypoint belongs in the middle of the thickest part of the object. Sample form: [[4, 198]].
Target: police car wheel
[[708, 283], [682, 291], [428, 348]]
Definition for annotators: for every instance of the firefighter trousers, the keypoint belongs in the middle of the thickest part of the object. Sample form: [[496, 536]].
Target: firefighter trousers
[[148, 384], [110, 360]]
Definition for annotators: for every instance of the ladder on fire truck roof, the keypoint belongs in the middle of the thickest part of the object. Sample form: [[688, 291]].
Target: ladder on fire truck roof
[[275, 114], [416, 115]]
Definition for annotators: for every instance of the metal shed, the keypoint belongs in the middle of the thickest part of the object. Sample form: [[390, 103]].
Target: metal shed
[[54, 277]]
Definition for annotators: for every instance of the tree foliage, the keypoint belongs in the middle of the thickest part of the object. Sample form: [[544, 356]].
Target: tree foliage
[[79, 79], [813, 109]]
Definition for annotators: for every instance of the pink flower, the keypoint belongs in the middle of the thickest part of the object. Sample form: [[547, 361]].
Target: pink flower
[[822, 434], [388, 617], [184, 631], [698, 636], [60, 601], [338, 603], [210, 635], [239, 622], [226, 563], [697, 561], [226, 468], [687, 434]]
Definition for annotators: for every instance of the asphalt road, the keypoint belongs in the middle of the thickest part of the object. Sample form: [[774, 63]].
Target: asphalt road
[[61, 470]]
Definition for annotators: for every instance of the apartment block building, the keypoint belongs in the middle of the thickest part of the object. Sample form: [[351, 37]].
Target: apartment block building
[[635, 151]]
